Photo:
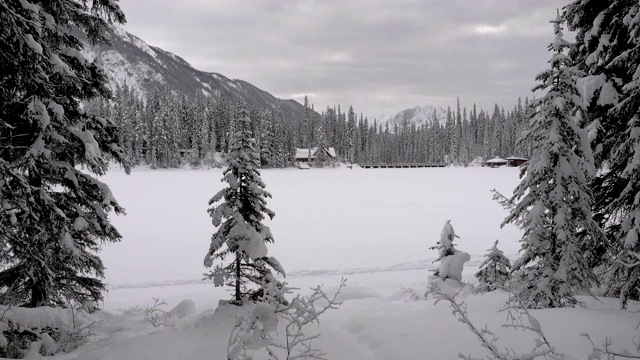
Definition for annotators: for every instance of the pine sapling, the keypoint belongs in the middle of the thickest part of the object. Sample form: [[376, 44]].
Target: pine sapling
[[445, 245], [452, 260], [494, 271]]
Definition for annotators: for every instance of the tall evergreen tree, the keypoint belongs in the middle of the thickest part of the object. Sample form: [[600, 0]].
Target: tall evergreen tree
[[304, 127], [205, 120], [608, 51], [456, 137], [450, 126], [350, 136], [267, 139], [465, 144], [553, 199], [152, 127], [280, 138], [222, 121], [241, 233], [484, 119], [497, 127], [520, 125], [167, 131], [53, 216], [321, 146], [474, 133]]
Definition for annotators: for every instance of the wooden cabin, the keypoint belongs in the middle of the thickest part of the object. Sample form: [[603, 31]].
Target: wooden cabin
[[496, 162], [516, 161], [309, 155]]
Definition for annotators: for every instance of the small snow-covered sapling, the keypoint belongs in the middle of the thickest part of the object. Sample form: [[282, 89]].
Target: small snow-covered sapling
[[452, 260], [495, 271]]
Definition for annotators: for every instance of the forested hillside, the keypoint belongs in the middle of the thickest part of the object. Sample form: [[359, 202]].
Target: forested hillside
[[129, 61], [170, 129]]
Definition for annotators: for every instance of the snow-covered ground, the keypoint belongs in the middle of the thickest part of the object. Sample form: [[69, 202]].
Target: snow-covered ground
[[373, 227]]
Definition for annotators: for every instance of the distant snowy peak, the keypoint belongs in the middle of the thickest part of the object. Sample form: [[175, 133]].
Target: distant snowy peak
[[418, 115], [135, 41], [133, 63]]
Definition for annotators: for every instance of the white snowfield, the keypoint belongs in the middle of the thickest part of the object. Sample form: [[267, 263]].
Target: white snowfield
[[373, 227]]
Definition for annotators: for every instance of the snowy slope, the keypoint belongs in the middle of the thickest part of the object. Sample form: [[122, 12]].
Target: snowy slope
[[134, 63], [418, 115]]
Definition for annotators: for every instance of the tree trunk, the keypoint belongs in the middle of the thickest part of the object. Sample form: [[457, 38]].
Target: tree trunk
[[38, 295], [238, 294]]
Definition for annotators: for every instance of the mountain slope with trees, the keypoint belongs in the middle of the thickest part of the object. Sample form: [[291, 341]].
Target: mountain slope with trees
[[130, 62]]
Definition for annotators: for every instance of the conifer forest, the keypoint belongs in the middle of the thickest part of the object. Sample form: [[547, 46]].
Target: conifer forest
[[158, 130]]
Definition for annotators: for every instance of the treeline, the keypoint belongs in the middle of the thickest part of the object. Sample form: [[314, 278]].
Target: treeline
[[169, 129]]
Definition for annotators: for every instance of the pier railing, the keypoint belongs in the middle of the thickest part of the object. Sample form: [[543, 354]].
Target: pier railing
[[400, 165]]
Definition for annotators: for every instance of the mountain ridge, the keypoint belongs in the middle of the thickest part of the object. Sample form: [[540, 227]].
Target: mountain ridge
[[131, 62], [419, 115]]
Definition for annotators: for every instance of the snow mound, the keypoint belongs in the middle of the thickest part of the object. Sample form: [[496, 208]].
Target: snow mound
[[42, 317], [185, 308], [452, 265]]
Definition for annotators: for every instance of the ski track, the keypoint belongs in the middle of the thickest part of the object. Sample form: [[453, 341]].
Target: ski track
[[428, 265]]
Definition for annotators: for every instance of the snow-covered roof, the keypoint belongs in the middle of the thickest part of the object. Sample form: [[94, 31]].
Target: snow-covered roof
[[303, 154], [496, 160], [517, 158]]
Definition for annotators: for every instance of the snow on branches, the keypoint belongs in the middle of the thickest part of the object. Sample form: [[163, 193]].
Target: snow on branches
[[553, 201], [451, 260], [495, 271], [240, 230], [261, 327], [54, 212]]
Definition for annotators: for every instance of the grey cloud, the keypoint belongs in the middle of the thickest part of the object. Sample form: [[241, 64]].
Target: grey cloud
[[377, 55]]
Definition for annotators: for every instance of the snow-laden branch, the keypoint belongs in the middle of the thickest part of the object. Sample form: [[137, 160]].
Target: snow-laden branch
[[609, 352], [488, 339], [630, 265], [258, 329]]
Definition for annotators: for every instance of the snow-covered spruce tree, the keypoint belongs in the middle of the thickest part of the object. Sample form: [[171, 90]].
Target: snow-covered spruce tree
[[608, 50], [321, 146], [267, 141], [445, 245], [553, 199], [495, 270], [53, 217], [241, 234]]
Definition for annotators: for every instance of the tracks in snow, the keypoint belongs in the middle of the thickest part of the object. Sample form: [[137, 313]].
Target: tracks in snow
[[419, 265]]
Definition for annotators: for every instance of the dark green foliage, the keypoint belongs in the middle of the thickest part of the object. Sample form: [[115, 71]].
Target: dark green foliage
[[553, 201], [53, 217], [495, 270], [241, 234], [608, 52]]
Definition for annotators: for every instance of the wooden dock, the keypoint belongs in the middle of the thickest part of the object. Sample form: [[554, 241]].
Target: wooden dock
[[405, 165]]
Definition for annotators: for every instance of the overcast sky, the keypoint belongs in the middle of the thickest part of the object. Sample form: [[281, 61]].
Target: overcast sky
[[380, 56]]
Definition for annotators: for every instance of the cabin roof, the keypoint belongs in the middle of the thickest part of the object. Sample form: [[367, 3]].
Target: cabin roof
[[497, 160], [517, 158], [304, 153]]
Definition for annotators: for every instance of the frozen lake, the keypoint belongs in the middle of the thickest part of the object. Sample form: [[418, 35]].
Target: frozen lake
[[373, 227], [328, 221]]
